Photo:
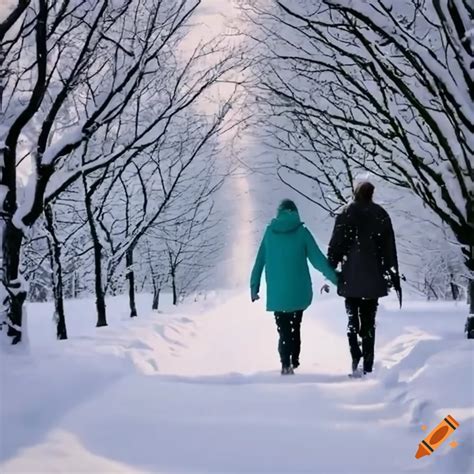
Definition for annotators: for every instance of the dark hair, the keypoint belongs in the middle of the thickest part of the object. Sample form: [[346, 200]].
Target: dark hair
[[287, 205], [364, 191]]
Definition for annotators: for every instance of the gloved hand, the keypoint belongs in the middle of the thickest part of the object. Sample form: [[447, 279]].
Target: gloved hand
[[254, 295], [325, 288]]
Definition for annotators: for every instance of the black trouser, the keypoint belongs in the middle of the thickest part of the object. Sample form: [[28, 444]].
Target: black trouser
[[289, 345], [361, 323]]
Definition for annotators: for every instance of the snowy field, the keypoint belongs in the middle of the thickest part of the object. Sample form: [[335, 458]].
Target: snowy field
[[197, 389]]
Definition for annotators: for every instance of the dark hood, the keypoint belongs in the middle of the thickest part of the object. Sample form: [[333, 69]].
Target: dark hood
[[286, 221]]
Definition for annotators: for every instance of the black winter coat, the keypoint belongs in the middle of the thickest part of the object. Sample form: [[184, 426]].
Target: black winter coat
[[363, 243]]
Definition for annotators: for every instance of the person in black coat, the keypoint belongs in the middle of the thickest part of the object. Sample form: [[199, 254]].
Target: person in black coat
[[363, 245]]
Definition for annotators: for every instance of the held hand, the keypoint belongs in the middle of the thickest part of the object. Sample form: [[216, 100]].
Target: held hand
[[325, 288]]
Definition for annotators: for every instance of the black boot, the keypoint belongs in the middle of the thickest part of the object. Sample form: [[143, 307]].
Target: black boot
[[356, 353], [287, 370], [284, 327], [367, 333], [355, 364], [368, 343], [296, 338]]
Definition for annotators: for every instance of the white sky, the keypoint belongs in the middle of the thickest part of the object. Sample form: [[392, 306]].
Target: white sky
[[211, 10], [5, 7]]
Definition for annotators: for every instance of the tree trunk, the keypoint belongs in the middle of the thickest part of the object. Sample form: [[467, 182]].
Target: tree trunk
[[97, 248], [99, 292], [57, 275], [470, 319], [11, 249], [156, 297], [454, 288], [175, 291], [470, 265], [76, 286], [131, 282]]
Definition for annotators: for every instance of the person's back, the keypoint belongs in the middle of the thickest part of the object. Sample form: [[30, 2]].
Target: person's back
[[363, 244], [286, 270], [284, 251]]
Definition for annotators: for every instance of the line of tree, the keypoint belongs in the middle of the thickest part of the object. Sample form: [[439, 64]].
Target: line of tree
[[103, 140]]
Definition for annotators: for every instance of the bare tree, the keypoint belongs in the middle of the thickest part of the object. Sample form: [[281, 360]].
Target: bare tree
[[191, 246], [36, 264], [135, 197], [57, 273], [156, 271]]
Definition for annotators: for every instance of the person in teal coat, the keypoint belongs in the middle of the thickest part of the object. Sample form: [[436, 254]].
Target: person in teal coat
[[286, 247]]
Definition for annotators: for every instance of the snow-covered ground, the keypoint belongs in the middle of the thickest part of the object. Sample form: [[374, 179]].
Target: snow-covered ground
[[197, 389]]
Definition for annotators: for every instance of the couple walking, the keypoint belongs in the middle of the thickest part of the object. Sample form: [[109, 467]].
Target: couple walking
[[362, 262]]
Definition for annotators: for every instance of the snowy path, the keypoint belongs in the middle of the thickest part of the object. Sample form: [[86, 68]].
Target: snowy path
[[202, 393]]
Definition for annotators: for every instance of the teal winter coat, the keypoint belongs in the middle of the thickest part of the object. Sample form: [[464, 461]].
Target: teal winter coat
[[284, 253]]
